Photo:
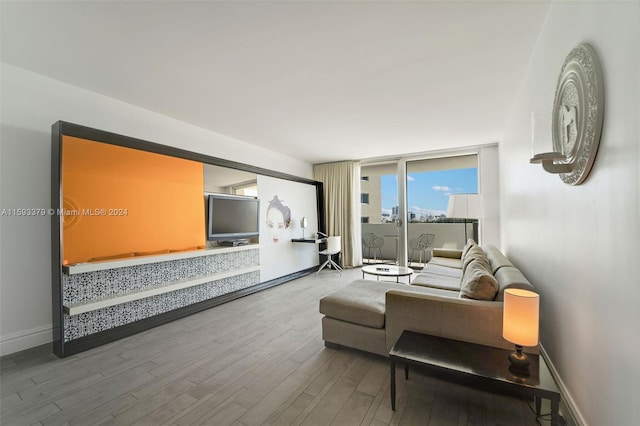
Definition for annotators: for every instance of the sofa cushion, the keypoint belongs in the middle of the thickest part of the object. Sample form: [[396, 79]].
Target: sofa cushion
[[446, 271], [453, 294], [496, 259], [445, 252], [449, 262], [427, 279], [478, 282], [510, 277], [360, 302]]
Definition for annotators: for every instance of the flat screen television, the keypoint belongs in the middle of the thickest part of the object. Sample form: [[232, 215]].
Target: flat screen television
[[232, 217]]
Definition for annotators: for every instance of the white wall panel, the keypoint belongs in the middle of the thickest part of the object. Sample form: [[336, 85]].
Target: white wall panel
[[578, 244], [278, 255]]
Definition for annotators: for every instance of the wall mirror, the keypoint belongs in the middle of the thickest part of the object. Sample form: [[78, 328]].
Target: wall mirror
[[224, 180]]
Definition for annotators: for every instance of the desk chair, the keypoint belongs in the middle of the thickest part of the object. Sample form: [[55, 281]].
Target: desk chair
[[334, 246]]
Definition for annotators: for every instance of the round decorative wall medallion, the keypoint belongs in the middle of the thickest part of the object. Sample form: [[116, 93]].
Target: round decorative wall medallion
[[578, 109], [70, 213]]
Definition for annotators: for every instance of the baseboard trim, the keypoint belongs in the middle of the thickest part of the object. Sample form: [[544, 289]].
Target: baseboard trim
[[16, 342], [566, 400]]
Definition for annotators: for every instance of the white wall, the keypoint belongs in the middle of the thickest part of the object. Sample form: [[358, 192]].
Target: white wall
[[30, 104], [279, 256], [579, 244]]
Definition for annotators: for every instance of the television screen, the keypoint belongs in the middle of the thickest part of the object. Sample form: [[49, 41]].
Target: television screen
[[232, 217]]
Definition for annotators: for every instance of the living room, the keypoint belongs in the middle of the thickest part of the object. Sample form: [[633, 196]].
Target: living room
[[575, 243]]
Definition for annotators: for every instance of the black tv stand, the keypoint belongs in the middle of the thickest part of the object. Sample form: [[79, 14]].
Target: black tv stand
[[233, 243]]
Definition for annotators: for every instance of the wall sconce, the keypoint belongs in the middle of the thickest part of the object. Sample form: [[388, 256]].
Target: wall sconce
[[543, 149], [575, 124], [520, 321]]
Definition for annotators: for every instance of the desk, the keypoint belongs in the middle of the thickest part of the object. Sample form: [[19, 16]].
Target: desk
[[475, 365], [309, 240]]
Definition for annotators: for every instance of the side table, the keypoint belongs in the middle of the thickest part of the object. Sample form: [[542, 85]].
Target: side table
[[475, 365]]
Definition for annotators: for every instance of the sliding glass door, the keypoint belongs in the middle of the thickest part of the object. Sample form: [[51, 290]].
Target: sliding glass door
[[380, 213], [407, 208], [433, 186]]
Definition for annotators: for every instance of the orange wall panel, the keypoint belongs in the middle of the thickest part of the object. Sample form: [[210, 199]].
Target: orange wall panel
[[123, 202]]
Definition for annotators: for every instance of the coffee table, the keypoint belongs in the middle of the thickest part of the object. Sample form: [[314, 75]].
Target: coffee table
[[387, 271], [475, 365]]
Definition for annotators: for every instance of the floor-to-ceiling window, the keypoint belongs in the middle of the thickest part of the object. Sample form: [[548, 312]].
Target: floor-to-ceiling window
[[431, 183], [379, 202], [402, 219]]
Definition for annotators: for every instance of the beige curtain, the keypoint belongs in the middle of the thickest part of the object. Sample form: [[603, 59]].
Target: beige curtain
[[341, 182]]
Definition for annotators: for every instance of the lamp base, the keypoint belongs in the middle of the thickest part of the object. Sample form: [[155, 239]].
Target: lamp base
[[519, 362], [518, 374]]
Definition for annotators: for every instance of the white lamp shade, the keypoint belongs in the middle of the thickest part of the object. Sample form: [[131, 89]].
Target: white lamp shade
[[464, 206], [521, 317]]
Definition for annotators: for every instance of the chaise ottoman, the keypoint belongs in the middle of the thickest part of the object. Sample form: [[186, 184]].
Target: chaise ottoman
[[354, 316]]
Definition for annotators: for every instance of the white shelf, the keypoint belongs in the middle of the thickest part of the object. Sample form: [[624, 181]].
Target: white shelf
[[80, 308], [78, 268]]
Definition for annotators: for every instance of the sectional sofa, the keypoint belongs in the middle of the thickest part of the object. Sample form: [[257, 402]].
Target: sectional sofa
[[458, 295]]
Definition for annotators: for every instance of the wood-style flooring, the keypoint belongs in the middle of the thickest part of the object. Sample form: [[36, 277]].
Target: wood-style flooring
[[258, 360]]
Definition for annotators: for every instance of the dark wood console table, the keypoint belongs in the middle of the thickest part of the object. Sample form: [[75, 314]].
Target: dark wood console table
[[309, 240], [473, 365]]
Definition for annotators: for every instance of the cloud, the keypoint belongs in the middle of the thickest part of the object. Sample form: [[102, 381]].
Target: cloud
[[440, 188], [410, 178], [419, 211]]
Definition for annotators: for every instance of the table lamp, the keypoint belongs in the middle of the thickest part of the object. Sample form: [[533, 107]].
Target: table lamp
[[520, 324]]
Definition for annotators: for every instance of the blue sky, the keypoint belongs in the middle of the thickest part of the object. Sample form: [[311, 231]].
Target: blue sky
[[428, 192]]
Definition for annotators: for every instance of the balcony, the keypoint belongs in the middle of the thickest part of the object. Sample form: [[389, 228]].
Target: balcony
[[448, 235]]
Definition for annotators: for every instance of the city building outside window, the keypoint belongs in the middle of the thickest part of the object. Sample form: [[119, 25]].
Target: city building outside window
[[429, 184]]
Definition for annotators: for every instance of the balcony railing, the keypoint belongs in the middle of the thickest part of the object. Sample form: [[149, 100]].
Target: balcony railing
[[448, 235]]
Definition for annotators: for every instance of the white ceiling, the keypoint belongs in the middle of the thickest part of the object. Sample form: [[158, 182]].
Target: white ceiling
[[318, 81]]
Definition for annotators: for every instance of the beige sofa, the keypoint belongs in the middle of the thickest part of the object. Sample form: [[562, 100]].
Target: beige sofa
[[370, 315]]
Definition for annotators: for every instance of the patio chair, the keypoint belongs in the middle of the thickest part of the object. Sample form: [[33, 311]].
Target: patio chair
[[372, 241], [423, 243]]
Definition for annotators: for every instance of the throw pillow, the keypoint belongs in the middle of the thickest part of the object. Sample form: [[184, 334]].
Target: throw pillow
[[465, 250], [478, 282], [474, 253]]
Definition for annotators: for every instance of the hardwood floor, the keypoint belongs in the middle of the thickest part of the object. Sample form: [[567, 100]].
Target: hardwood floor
[[258, 360]]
